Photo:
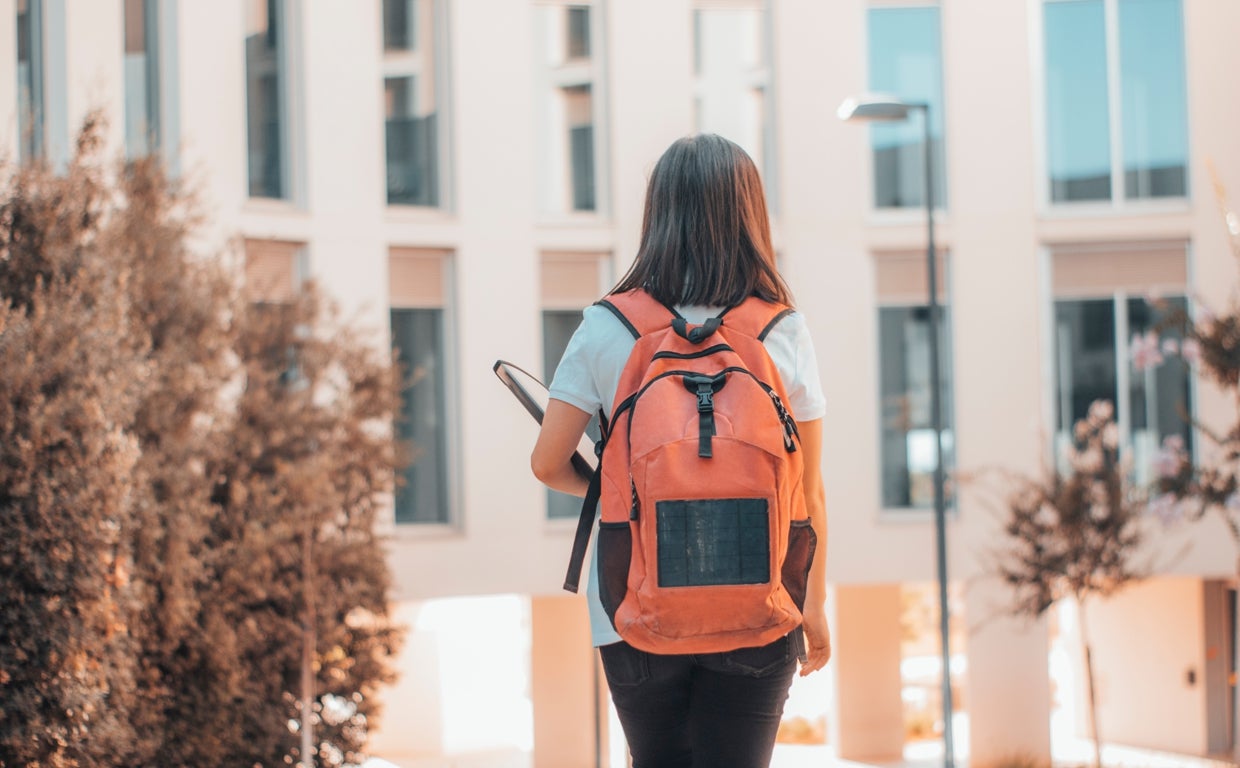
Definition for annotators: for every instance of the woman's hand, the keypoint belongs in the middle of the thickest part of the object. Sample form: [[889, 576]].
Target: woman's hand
[[817, 642]]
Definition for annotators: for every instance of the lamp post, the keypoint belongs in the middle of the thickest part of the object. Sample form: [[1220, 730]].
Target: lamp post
[[891, 109]]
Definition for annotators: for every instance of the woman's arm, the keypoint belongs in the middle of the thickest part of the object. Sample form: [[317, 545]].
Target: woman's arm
[[817, 634], [562, 428]]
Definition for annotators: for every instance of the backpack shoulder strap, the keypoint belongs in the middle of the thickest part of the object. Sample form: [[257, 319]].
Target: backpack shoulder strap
[[755, 318], [639, 311]]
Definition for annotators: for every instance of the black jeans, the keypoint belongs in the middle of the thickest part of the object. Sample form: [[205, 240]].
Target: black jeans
[[717, 710]]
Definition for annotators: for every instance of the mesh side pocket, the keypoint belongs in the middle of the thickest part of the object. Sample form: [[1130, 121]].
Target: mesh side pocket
[[802, 541], [615, 551], [709, 542]]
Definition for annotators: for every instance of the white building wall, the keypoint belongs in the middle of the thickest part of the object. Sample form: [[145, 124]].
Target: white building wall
[[996, 229]]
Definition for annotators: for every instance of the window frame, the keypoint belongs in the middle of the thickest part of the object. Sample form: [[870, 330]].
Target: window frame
[[35, 147], [290, 101], [905, 299], [594, 73], [906, 215], [553, 298], [395, 63], [153, 91], [1119, 296], [451, 406], [761, 79], [1119, 203]]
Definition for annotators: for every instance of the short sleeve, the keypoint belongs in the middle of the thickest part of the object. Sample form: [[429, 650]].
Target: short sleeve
[[792, 350], [574, 381]]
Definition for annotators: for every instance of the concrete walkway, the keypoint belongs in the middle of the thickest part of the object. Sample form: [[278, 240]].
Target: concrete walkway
[[1070, 755], [1078, 753]]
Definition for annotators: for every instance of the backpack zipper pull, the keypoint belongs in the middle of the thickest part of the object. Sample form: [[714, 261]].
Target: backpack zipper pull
[[785, 418], [636, 506]]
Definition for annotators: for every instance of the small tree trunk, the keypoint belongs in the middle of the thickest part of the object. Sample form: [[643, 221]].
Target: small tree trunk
[[307, 657], [1089, 675]]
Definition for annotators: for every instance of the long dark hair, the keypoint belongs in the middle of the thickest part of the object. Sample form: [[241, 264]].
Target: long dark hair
[[706, 237]]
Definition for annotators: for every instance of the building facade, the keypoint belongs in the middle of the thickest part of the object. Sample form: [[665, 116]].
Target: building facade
[[466, 175]]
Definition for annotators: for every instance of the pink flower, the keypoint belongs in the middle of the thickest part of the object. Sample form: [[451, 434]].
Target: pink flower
[[1170, 347], [1101, 410], [1145, 351], [1166, 463], [1166, 509], [1190, 350]]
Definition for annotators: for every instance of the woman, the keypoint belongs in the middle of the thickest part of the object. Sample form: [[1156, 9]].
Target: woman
[[705, 247]]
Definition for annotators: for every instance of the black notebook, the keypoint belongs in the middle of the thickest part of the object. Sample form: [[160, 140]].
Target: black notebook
[[532, 395]]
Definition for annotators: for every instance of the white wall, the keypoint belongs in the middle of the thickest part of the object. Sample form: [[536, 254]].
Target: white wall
[[1146, 640]]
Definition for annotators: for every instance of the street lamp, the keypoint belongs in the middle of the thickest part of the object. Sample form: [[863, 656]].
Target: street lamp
[[892, 109]]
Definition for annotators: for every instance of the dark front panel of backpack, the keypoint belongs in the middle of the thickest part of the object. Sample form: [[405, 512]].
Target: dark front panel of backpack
[[712, 542]]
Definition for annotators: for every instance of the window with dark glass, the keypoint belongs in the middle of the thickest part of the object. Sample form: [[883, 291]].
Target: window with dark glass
[[142, 128], [30, 104], [579, 110], [1100, 145], [1094, 361], [905, 60], [398, 25], [569, 127], [418, 336], [558, 327], [266, 83], [907, 435], [578, 28], [411, 103]]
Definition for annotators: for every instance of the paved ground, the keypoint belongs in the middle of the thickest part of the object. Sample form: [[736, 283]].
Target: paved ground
[[1076, 753], [796, 756]]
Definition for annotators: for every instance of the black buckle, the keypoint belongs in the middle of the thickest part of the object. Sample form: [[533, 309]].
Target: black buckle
[[705, 398]]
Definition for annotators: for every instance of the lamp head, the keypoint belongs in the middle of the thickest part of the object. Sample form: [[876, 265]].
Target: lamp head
[[878, 107]]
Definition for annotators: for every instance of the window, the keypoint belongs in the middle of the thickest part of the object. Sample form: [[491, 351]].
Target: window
[[412, 85], [266, 98], [142, 124], [733, 74], [570, 282], [30, 104], [420, 332], [906, 432], [905, 60], [274, 270], [567, 46], [1096, 320], [1116, 105]]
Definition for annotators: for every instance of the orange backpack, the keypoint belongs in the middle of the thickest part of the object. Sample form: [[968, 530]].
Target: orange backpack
[[704, 540]]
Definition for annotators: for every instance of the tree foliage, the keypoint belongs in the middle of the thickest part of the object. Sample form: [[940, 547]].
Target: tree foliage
[[182, 473], [1073, 533], [297, 498], [1188, 488], [71, 383]]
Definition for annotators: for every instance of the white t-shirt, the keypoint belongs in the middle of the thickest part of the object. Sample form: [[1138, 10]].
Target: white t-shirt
[[589, 373]]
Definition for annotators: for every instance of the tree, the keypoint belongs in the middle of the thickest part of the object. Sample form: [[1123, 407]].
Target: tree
[[71, 384], [302, 574], [1186, 488], [163, 469], [1074, 534]]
